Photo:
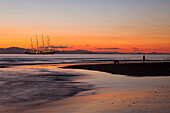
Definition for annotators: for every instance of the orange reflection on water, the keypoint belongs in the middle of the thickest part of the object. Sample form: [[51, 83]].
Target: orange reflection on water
[[54, 65], [44, 66]]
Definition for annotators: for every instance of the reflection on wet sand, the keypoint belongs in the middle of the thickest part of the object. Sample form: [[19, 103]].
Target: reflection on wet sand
[[26, 88], [119, 94], [119, 102]]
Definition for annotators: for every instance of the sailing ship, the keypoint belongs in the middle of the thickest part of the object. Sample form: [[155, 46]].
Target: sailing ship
[[43, 51]]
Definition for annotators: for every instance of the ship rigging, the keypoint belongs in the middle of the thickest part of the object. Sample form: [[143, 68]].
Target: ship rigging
[[38, 50]]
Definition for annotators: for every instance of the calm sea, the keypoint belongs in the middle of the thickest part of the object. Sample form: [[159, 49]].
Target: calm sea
[[73, 58]]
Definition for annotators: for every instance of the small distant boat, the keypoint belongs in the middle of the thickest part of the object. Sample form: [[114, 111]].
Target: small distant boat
[[43, 51]]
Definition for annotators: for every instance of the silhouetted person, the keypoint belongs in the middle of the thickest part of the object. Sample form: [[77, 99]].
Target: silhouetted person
[[116, 61], [144, 58]]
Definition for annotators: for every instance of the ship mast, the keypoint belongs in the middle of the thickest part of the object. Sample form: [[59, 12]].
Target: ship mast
[[43, 42], [32, 45], [48, 42], [37, 43]]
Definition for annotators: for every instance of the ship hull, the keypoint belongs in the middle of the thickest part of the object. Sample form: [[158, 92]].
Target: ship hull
[[40, 52]]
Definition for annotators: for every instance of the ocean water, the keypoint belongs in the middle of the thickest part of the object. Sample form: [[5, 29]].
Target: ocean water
[[26, 83], [13, 59]]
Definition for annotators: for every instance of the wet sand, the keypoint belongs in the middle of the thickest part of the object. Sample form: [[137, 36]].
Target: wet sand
[[23, 88], [115, 94], [130, 69], [49, 89]]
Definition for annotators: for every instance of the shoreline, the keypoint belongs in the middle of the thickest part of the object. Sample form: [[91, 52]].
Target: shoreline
[[41, 85], [129, 69], [54, 89], [119, 94], [31, 87]]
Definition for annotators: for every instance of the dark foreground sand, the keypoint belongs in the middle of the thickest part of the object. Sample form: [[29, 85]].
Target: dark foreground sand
[[130, 69]]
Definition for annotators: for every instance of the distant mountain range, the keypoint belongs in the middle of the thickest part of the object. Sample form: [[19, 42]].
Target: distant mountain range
[[12, 50], [18, 50]]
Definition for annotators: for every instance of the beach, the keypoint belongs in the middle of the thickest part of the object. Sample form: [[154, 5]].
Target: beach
[[115, 93], [36, 84]]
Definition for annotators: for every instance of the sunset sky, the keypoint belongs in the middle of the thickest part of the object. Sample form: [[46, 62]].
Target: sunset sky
[[94, 25]]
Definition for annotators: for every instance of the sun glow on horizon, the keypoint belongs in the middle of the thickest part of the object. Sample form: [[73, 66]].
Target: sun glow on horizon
[[122, 26]]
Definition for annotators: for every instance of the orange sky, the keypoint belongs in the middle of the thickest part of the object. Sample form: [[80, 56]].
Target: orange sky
[[123, 26]]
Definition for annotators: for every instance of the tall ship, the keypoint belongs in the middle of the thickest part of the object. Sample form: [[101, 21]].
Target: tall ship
[[41, 50]]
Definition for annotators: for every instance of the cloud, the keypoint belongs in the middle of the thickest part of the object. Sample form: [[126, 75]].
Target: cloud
[[106, 48], [59, 47], [134, 48]]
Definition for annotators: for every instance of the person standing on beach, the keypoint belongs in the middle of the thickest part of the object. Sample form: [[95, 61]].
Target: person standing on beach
[[144, 58]]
